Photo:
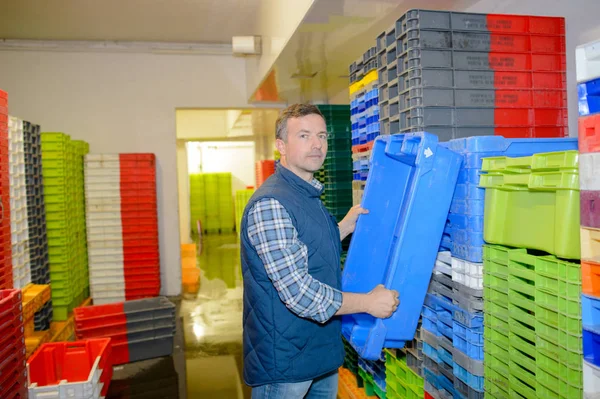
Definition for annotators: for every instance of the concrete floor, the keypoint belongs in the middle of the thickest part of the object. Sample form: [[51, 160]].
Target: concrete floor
[[207, 358]]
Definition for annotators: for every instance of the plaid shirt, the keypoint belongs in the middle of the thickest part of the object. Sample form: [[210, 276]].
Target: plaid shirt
[[285, 257]]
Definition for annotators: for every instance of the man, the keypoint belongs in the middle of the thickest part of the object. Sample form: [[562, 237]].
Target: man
[[290, 248]]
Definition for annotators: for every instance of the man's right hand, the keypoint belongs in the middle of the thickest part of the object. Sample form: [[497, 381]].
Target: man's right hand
[[381, 302]]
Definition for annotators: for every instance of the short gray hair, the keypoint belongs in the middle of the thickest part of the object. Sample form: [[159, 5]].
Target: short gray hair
[[293, 111]]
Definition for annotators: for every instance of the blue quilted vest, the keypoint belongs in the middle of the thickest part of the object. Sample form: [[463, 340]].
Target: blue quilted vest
[[280, 346]]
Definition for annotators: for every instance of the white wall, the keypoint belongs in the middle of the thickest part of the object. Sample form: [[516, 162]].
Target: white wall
[[581, 21], [236, 158], [124, 103]]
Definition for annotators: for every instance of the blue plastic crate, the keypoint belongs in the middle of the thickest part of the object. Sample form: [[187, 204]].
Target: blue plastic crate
[[466, 222], [467, 237], [467, 207], [446, 244], [444, 329], [591, 347], [429, 313], [469, 191], [589, 97], [445, 316], [468, 176], [473, 335], [375, 369], [470, 320], [445, 356], [474, 351], [431, 377], [448, 385], [430, 352], [469, 253], [471, 380], [408, 194], [473, 149], [590, 313]]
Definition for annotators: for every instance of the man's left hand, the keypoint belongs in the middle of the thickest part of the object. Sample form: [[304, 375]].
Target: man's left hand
[[348, 224]]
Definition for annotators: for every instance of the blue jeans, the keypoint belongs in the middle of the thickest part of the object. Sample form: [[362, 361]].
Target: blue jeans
[[324, 387]]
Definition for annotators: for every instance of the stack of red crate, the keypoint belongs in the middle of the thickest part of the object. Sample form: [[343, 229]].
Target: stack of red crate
[[264, 169], [6, 279], [13, 371], [122, 227], [139, 218]]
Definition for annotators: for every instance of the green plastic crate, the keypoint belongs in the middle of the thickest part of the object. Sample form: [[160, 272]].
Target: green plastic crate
[[537, 209]]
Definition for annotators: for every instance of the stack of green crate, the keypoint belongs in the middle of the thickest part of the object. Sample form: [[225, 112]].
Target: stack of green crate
[[63, 194], [532, 333], [211, 223], [226, 206], [197, 201], [241, 200], [338, 164], [81, 150], [401, 382]]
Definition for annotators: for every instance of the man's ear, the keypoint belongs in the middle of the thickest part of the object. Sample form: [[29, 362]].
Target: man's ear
[[280, 145]]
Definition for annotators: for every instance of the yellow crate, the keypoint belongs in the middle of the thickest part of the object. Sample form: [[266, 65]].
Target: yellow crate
[[35, 340], [34, 298]]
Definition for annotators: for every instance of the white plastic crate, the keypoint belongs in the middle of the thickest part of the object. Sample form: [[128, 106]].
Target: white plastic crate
[[99, 265], [103, 179], [103, 186], [441, 267], [90, 388], [103, 164], [589, 171], [95, 194], [101, 256], [114, 229], [104, 216], [116, 298], [98, 172], [464, 267], [100, 157], [474, 282], [103, 208], [102, 288], [106, 244], [100, 201], [104, 223], [591, 381], [98, 273], [445, 257], [93, 235], [587, 58]]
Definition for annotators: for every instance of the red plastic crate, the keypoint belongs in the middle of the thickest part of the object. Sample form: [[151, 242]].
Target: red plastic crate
[[137, 157], [10, 300], [529, 80], [71, 361], [18, 390], [506, 117], [530, 98], [515, 43], [151, 290], [99, 315], [531, 132], [525, 24], [427, 396], [589, 133], [140, 177], [11, 369], [590, 209]]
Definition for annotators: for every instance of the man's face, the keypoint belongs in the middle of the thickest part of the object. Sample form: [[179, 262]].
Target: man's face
[[304, 150]]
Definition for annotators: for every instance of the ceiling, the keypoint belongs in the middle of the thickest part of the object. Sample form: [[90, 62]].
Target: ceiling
[[314, 64], [206, 21], [215, 125]]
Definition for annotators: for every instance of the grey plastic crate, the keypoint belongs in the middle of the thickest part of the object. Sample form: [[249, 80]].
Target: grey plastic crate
[[380, 43], [467, 290], [394, 126], [393, 89], [430, 338], [390, 56], [390, 37], [147, 309], [430, 364], [414, 363], [443, 279], [446, 343], [381, 59], [430, 97], [384, 110], [446, 370], [430, 389], [382, 75], [466, 391], [422, 19], [143, 349], [384, 126], [467, 302], [446, 133], [473, 366], [391, 72], [426, 39], [394, 108], [441, 289]]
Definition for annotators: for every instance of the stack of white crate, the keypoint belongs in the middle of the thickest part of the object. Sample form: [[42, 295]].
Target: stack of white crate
[[104, 228], [18, 204]]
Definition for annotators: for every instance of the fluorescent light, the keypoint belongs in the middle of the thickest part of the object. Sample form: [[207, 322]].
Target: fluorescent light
[[116, 47]]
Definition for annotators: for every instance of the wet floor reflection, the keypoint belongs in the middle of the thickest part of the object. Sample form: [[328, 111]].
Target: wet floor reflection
[[212, 323]]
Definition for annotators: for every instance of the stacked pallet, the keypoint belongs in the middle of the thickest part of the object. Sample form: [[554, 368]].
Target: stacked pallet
[[62, 187], [122, 227], [461, 74], [533, 305], [140, 329], [364, 115], [588, 76], [13, 370], [6, 278], [18, 205], [211, 203], [35, 300]]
